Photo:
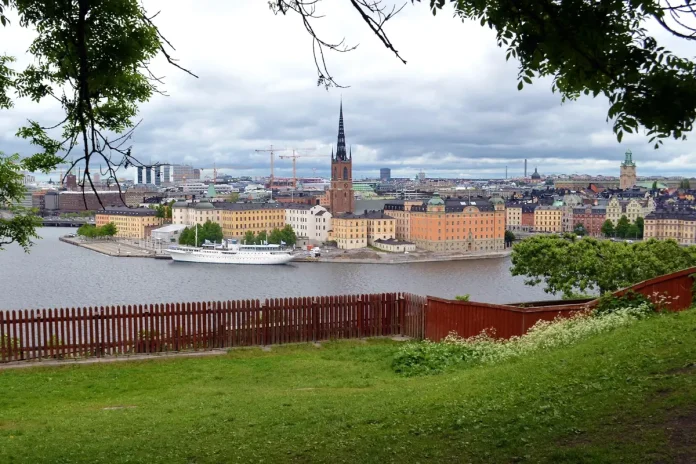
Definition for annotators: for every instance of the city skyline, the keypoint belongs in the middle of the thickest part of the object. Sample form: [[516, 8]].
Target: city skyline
[[434, 114]]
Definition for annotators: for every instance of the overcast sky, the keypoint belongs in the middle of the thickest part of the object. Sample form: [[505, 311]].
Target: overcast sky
[[452, 111]]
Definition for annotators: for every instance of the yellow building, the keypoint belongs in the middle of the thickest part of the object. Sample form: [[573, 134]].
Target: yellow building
[[130, 222], [676, 225], [379, 226], [238, 218], [349, 231], [548, 219], [234, 218], [401, 212]]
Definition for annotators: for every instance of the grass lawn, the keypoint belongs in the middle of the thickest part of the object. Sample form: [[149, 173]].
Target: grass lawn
[[626, 396]]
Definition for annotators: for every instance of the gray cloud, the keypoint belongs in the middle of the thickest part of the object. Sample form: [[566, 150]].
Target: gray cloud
[[454, 110]]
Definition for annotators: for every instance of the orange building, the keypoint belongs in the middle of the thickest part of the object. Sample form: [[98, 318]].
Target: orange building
[[457, 225]]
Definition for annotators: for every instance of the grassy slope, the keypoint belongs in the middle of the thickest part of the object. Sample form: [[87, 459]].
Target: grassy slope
[[622, 395]]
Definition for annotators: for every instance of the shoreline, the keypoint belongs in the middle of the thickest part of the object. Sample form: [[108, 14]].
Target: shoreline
[[118, 249]]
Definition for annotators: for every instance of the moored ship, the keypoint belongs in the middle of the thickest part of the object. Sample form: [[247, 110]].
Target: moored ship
[[231, 252]]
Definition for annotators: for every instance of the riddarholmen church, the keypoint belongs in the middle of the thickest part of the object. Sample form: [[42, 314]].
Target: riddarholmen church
[[341, 198]]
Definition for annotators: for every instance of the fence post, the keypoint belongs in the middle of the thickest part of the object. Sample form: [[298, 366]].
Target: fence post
[[315, 318], [264, 318], [401, 309]]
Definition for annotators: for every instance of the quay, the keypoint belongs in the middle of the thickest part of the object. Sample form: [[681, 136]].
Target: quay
[[116, 248]]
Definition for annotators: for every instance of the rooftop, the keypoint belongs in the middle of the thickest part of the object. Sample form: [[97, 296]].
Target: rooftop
[[125, 211]]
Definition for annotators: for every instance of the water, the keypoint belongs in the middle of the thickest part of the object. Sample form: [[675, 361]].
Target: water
[[56, 274]]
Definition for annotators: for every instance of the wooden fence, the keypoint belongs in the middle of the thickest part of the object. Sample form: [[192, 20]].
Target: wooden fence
[[117, 330], [114, 330], [466, 319]]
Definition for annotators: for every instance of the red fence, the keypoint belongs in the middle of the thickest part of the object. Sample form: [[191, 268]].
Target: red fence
[[466, 319], [111, 330]]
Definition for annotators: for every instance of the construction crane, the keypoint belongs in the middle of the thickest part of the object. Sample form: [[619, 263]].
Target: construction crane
[[294, 157], [272, 151]]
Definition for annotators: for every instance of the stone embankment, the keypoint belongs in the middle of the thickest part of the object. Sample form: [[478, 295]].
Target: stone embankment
[[369, 256], [116, 247]]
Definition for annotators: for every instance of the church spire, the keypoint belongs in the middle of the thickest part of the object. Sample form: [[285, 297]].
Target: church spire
[[341, 154]]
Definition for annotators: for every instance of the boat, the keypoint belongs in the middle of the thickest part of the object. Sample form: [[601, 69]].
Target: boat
[[232, 252]]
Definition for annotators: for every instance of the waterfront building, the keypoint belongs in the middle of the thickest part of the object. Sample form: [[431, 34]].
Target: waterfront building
[[134, 223], [385, 174], [341, 197], [400, 210], [513, 217], [352, 231], [311, 222], [458, 225], [548, 219], [234, 218], [168, 233], [679, 225], [349, 231], [394, 246]]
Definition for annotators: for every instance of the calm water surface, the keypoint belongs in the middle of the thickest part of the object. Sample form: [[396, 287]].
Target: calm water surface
[[56, 274]]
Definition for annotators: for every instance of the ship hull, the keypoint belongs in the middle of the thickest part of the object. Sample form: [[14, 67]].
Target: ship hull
[[230, 258]]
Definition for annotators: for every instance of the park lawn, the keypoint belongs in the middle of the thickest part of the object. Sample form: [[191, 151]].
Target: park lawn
[[629, 395]]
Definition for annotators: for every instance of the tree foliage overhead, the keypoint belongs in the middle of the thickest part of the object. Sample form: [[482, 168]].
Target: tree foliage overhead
[[569, 266], [21, 227], [588, 47], [92, 57]]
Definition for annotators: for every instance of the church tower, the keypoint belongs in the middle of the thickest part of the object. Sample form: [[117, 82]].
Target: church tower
[[341, 198], [628, 172]]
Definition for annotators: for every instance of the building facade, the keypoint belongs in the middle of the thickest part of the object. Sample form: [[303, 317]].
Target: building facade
[[341, 197], [310, 222], [349, 231], [401, 212], [548, 219], [459, 226], [591, 217], [385, 174], [632, 209], [628, 177], [134, 223], [379, 226], [528, 217], [676, 225], [513, 217]]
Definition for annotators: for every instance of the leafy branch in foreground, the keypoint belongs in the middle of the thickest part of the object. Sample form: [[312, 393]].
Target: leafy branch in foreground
[[587, 47], [93, 59], [20, 226]]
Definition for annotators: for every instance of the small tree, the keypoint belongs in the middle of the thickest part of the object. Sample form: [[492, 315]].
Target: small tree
[[622, 227], [685, 184], [608, 228], [580, 230], [161, 212], [249, 237], [184, 236], [233, 197], [640, 223], [289, 236], [632, 231], [276, 236], [261, 238], [109, 229], [654, 186], [210, 231], [509, 237]]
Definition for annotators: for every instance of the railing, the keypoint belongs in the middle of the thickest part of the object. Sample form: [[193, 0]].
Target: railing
[[119, 330]]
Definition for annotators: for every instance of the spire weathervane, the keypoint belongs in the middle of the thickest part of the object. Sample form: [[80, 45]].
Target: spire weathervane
[[341, 148]]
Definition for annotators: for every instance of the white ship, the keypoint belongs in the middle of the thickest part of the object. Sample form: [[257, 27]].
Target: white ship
[[231, 252]]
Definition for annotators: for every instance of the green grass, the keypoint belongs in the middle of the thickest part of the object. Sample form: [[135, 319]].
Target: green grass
[[627, 396]]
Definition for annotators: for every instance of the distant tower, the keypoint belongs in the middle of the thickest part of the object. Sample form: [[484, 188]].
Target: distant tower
[[506, 172], [628, 172], [525, 168], [341, 198]]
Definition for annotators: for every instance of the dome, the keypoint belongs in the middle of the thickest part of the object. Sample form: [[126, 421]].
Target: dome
[[536, 174], [436, 200], [497, 201], [180, 204], [204, 205]]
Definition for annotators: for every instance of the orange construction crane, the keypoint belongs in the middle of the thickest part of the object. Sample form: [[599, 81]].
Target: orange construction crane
[[272, 151], [294, 157]]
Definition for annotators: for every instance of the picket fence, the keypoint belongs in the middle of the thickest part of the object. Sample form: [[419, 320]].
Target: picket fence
[[117, 330]]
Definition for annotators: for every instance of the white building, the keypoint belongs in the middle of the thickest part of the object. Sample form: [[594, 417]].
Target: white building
[[310, 222], [169, 233]]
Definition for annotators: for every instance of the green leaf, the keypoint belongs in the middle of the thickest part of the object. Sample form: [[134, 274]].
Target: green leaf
[[520, 85]]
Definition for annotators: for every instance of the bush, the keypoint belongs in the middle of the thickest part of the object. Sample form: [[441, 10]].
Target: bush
[[608, 303], [428, 357], [464, 297]]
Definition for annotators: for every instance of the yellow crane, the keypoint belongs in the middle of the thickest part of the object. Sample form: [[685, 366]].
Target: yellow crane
[[272, 151], [294, 157]]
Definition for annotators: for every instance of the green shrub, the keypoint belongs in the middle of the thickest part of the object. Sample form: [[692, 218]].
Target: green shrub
[[464, 297], [608, 303], [428, 357]]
